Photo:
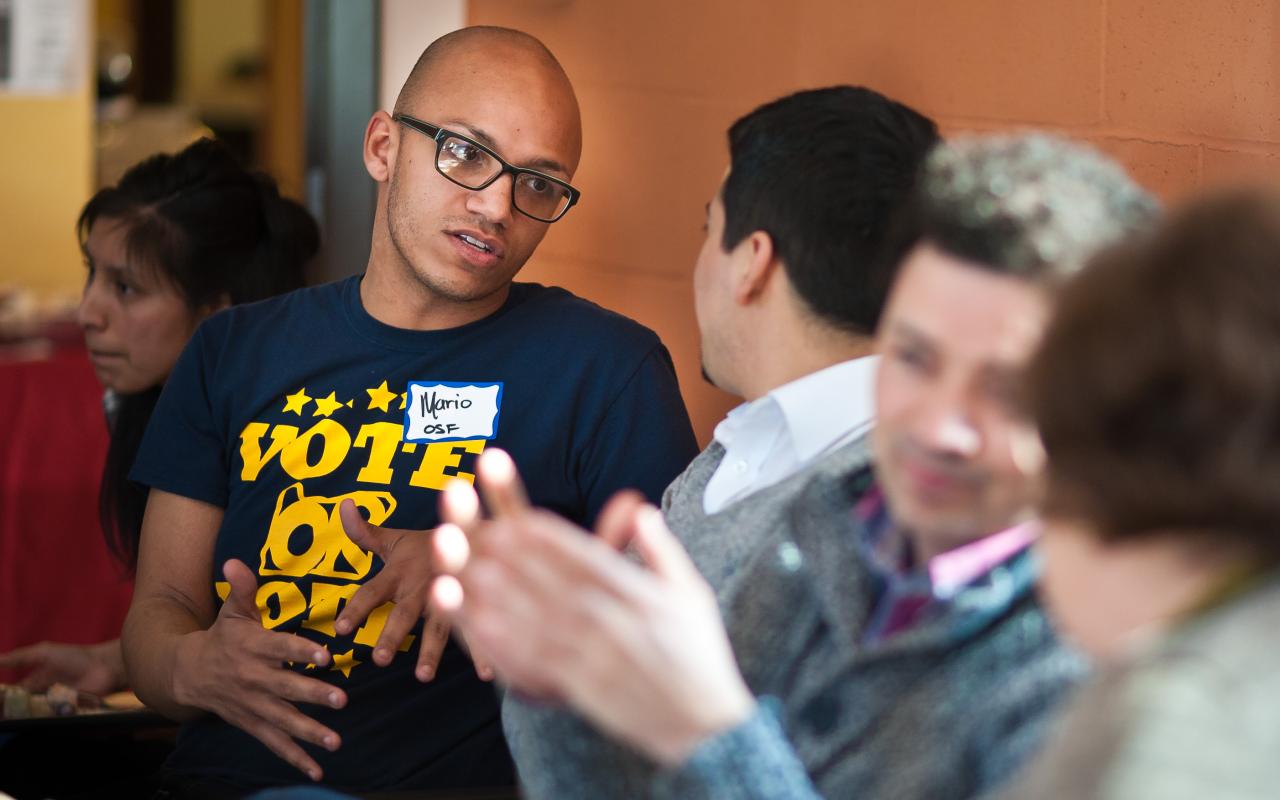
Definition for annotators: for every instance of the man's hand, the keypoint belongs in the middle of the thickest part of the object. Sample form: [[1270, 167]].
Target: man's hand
[[234, 669], [641, 652], [405, 579], [96, 668]]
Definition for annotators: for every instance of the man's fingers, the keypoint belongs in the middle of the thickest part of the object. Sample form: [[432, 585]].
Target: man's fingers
[[368, 597], [502, 611], [302, 689], [296, 724], [276, 646], [447, 603], [616, 525], [242, 598], [282, 745], [449, 549], [484, 667], [358, 529], [553, 554], [400, 621], [549, 553], [459, 504], [435, 635], [446, 595], [659, 548], [500, 484]]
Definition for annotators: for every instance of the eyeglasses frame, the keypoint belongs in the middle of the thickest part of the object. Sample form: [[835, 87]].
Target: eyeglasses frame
[[439, 135]]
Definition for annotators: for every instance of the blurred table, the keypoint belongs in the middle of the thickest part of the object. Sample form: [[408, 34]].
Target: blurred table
[[57, 579], [112, 754]]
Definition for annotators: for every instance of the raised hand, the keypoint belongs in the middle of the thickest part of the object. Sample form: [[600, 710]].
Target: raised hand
[[94, 668], [235, 669], [405, 580], [638, 648]]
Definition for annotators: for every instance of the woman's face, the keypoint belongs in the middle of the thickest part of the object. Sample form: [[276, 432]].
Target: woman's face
[[135, 324]]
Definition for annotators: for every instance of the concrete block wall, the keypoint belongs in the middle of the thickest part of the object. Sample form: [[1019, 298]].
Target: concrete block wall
[[1185, 93]]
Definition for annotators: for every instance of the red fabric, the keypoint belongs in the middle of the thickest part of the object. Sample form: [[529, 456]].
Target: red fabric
[[57, 579]]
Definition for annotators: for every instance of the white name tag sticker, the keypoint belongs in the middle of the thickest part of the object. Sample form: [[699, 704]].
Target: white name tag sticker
[[442, 411]]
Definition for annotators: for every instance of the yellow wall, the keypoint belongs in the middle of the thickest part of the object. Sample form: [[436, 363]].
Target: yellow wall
[[46, 174], [211, 33]]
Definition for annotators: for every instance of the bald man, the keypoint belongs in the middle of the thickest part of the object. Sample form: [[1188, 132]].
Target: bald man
[[289, 649]]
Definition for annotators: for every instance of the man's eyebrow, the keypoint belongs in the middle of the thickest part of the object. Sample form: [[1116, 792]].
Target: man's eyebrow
[[908, 331], [481, 136], [547, 165]]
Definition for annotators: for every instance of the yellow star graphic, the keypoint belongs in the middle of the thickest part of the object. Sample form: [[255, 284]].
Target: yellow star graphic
[[380, 398], [403, 395], [296, 402], [344, 662], [327, 405]]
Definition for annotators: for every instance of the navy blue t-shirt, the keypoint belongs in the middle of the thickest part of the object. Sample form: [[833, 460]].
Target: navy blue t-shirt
[[278, 410]]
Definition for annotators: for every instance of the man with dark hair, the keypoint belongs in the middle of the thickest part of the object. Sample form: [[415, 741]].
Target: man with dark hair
[[824, 172], [886, 617], [284, 422], [788, 287]]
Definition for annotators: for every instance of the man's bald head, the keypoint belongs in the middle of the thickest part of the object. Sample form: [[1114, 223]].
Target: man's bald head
[[469, 42], [493, 57]]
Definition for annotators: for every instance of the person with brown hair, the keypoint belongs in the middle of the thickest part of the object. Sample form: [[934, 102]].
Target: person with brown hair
[[1157, 395]]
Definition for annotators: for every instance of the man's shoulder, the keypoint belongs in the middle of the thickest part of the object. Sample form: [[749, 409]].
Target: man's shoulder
[[562, 313], [835, 480], [300, 304], [844, 470]]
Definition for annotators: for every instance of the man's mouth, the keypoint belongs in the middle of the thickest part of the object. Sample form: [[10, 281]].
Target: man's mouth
[[474, 242], [937, 475]]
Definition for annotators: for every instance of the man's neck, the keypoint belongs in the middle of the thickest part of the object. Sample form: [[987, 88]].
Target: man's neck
[[779, 360], [397, 298]]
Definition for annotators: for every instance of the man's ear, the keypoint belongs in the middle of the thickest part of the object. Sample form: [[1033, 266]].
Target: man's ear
[[381, 139], [756, 269]]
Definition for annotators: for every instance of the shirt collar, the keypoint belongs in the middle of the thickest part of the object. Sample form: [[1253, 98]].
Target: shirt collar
[[947, 572], [745, 419], [829, 405], [951, 571]]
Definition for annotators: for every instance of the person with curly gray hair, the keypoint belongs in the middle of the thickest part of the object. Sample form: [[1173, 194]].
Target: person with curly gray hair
[[885, 640]]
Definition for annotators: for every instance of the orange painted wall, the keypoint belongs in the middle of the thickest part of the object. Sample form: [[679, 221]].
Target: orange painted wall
[[1184, 92]]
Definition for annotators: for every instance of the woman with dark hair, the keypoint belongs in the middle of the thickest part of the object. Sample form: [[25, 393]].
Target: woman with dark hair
[[1157, 394], [180, 237]]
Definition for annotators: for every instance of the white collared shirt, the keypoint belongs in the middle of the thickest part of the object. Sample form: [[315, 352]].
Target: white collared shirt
[[773, 437]]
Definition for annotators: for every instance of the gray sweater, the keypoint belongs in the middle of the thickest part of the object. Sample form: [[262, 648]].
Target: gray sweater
[[949, 709], [1192, 714]]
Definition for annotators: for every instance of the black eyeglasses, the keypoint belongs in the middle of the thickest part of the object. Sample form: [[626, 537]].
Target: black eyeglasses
[[473, 166]]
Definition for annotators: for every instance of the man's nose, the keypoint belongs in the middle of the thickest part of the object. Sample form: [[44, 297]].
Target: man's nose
[[950, 425], [493, 202]]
